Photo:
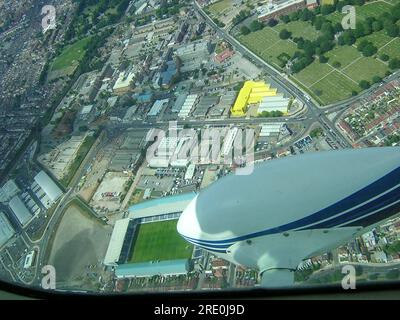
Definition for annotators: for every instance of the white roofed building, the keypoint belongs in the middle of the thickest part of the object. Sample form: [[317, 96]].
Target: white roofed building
[[49, 186], [20, 211], [275, 103]]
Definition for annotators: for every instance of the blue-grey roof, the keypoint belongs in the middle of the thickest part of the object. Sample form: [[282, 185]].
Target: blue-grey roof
[[163, 201], [148, 269]]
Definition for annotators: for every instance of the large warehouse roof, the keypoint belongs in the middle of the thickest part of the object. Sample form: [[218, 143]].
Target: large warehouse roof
[[148, 269], [6, 230], [19, 209], [160, 206], [48, 186], [116, 242]]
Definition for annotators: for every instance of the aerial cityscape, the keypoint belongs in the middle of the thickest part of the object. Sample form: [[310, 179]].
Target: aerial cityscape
[[116, 114]]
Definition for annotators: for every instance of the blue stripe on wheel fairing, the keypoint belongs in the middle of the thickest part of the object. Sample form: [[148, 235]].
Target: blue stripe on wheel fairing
[[369, 207], [378, 187], [376, 217]]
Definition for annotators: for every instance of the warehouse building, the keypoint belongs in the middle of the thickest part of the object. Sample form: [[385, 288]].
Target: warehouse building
[[276, 103], [179, 103], [52, 191], [188, 105], [204, 105], [157, 107], [6, 230], [20, 211], [252, 92], [8, 190]]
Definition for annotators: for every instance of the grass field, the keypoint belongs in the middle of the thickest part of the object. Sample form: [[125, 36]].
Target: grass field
[[365, 68], [334, 87], [313, 73], [344, 55], [219, 6], [281, 47], [160, 241], [71, 55], [260, 40], [299, 29], [392, 49], [379, 39]]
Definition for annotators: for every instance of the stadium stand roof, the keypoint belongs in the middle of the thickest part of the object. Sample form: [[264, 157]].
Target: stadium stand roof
[[171, 204], [116, 242], [6, 230], [48, 186], [148, 269], [20, 211]]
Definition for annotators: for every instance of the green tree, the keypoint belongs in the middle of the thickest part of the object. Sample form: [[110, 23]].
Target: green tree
[[364, 84], [284, 34], [394, 63], [256, 25], [244, 30]]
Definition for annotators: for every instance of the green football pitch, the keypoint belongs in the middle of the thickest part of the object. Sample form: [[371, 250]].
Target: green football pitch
[[159, 241]]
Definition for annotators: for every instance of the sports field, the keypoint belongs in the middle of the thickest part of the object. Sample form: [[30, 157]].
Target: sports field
[[160, 241], [217, 7], [71, 55]]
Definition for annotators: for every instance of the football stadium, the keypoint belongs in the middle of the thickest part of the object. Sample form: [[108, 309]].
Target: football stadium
[[147, 243]]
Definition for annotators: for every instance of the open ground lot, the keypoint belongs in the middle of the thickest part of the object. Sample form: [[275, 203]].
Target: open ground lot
[[160, 241], [80, 240], [108, 194]]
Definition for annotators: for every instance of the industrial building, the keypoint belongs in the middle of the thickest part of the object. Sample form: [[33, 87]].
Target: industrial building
[[224, 105], [6, 230], [180, 100], [270, 129], [193, 54], [157, 107], [228, 142], [188, 105], [252, 92], [20, 211], [275, 103], [53, 192], [124, 83], [170, 152], [8, 190], [274, 10], [204, 105]]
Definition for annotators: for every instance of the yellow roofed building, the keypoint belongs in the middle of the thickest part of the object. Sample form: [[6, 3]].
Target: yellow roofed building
[[251, 93]]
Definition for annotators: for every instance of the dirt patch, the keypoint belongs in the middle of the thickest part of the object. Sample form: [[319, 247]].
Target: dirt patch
[[79, 247]]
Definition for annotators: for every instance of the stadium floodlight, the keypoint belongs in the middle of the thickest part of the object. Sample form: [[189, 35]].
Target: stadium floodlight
[[294, 208]]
